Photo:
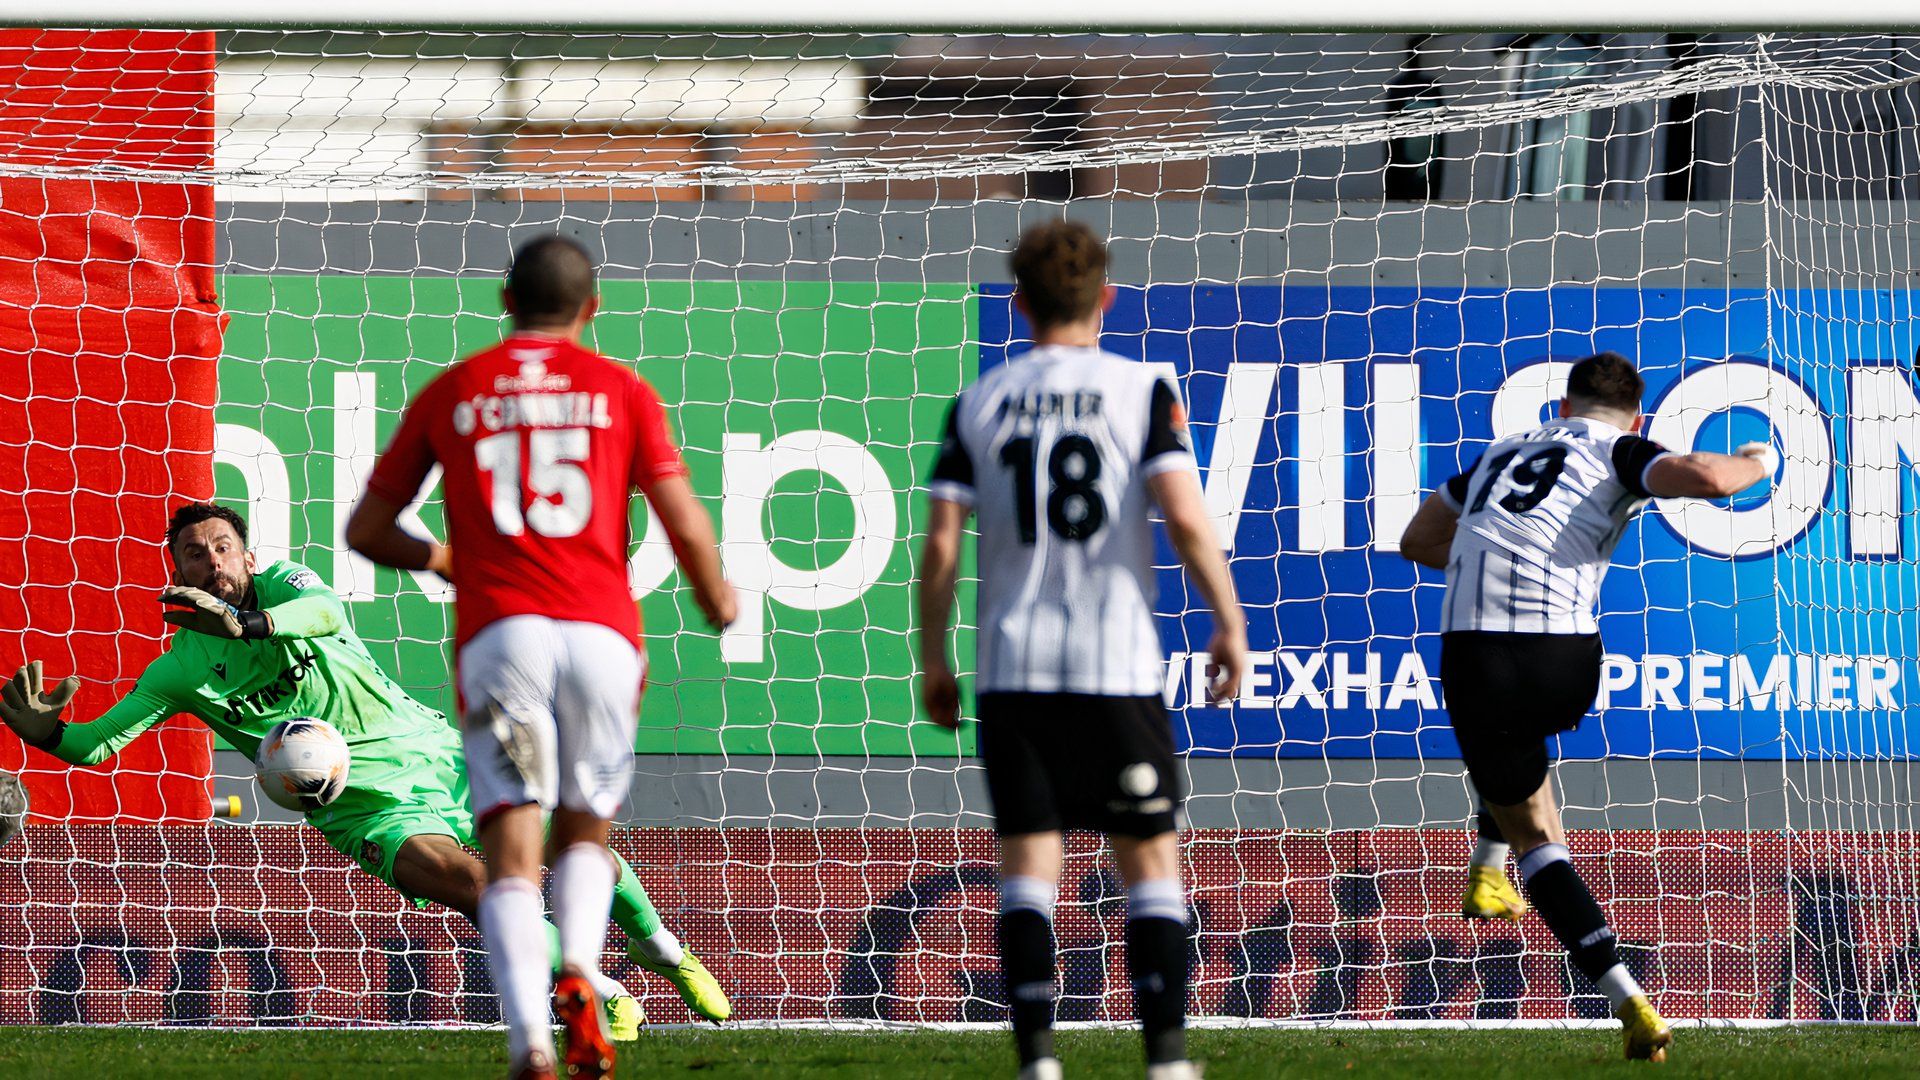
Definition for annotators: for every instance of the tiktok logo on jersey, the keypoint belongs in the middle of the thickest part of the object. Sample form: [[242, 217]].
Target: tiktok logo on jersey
[[276, 690]]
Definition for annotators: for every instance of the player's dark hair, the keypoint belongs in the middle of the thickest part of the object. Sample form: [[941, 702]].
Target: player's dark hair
[[1061, 270], [551, 279], [1608, 380], [196, 512]]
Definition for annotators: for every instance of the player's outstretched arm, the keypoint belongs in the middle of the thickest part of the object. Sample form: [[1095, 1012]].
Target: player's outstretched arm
[[690, 532], [939, 569], [1428, 539], [374, 531], [33, 712], [1178, 493], [1703, 475]]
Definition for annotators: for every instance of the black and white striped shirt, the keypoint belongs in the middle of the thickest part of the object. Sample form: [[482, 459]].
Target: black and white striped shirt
[[1540, 513], [1053, 451]]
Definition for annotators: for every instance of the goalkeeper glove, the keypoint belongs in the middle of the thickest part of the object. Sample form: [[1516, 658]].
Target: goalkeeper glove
[[33, 711], [1765, 454], [208, 614]]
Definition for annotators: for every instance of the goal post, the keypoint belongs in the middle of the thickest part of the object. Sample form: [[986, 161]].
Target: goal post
[[1364, 252]]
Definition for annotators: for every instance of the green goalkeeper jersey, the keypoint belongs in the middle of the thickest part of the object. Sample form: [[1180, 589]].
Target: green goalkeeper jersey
[[313, 665]]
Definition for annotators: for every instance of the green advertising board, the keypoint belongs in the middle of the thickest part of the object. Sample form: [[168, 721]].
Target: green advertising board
[[807, 412]]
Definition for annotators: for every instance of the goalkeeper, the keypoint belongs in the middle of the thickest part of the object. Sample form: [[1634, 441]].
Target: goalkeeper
[[266, 646]]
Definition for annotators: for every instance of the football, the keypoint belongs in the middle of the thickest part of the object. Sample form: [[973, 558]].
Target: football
[[302, 764]]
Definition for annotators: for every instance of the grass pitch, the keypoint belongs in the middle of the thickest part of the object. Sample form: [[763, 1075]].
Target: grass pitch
[[1853, 1052]]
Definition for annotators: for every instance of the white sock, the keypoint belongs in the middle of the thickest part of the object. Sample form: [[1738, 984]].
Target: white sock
[[1490, 853], [516, 937], [1159, 898], [1619, 986], [1045, 1068], [583, 879], [607, 986], [1020, 893], [662, 948]]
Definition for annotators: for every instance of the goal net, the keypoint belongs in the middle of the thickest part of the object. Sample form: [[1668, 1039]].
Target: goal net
[[232, 255]]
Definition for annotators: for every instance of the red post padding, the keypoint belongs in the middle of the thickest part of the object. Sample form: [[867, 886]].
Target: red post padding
[[109, 341]]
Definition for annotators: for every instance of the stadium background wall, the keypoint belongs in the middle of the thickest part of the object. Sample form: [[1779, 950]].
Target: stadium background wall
[[1480, 273], [851, 915], [269, 927]]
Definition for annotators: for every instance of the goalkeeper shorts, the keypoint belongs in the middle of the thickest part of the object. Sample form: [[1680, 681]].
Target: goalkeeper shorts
[[1507, 694], [370, 827]]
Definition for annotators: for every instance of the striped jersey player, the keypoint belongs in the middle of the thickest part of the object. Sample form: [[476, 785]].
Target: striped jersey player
[[1061, 456], [1540, 513], [1068, 604], [1525, 536]]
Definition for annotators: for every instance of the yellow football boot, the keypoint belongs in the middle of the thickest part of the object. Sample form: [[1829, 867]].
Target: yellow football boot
[[1491, 896], [624, 1017], [1647, 1036], [697, 986]]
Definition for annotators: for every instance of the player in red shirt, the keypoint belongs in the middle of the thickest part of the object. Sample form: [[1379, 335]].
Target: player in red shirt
[[541, 444]]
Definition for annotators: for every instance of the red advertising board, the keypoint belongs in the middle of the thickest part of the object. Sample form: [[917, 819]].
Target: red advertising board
[[267, 925], [109, 339]]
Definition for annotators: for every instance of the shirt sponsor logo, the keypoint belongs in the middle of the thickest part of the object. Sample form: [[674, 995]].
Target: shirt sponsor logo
[[274, 692]]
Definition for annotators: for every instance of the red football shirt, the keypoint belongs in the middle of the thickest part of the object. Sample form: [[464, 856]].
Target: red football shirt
[[540, 444]]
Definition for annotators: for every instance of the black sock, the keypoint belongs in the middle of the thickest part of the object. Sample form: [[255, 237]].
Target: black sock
[[1489, 828], [1026, 969], [1569, 909], [1157, 962]]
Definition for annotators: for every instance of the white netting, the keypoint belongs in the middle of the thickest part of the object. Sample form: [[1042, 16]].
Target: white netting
[[1362, 255]]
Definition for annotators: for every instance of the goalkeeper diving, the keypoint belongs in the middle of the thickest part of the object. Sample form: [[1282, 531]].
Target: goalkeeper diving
[[258, 645]]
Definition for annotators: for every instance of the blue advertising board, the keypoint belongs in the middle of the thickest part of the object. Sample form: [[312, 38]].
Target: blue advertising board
[[1780, 623]]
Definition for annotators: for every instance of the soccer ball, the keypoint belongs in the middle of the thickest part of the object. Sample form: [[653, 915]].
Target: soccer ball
[[302, 764]]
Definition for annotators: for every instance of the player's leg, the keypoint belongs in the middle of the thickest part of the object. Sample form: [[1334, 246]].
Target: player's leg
[[652, 946], [1575, 917], [583, 880], [1028, 822], [1557, 677], [507, 673], [1490, 893], [1139, 791], [1029, 880], [1474, 694], [435, 867], [511, 922], [595, 697], [634, 914], [1157, 948]]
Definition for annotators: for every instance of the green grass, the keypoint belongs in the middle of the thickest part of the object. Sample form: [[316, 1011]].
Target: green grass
[[811, 1055]]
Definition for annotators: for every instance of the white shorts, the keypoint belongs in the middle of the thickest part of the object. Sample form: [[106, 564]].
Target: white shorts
[[551, 709]]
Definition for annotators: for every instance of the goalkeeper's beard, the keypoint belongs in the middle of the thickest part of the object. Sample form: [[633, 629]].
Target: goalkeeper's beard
[[227, 588]]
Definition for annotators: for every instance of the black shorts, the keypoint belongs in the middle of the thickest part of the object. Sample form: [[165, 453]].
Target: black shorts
[[1079, 761], [1507, 694]]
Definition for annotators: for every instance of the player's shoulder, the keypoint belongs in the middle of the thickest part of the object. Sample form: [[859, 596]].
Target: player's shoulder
[[286, 576], [599, 364], [458, 378], [1102, 369], [1606, 442]]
